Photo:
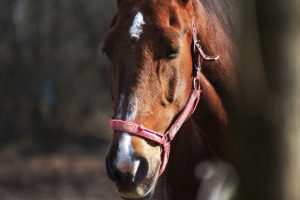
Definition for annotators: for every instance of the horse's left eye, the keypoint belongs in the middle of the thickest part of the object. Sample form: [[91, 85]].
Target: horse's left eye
[[172, 53]]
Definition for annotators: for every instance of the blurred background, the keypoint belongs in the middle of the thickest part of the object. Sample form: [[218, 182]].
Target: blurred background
[[55, 100]]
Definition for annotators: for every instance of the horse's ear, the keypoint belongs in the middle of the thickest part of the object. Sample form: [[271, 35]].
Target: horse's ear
[[183, 2]]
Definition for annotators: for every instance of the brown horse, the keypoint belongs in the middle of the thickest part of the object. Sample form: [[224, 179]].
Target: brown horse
[[149, 48]]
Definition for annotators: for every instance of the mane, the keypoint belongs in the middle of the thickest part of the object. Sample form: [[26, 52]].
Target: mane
[[226, 12]]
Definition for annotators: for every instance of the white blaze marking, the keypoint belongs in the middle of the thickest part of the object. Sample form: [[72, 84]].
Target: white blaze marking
[[136, 29], [124, 162], [132, 108], [120, 107], [123, 156]]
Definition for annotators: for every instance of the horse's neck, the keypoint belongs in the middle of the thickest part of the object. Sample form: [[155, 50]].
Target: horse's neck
[[217, 38], [219, 79], [179, 181], [194, 170]]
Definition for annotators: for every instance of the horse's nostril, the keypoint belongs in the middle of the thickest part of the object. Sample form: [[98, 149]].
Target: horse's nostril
[[141, 171], [134, 173]]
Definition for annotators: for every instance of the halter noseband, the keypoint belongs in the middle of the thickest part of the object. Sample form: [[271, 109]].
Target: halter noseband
[[165, 139]]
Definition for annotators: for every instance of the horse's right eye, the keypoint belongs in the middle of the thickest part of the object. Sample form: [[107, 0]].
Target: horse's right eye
[[172, 53]]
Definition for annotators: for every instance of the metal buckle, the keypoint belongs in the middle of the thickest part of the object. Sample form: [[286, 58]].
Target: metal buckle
[[196, 83], [140, 129], [167, 138]]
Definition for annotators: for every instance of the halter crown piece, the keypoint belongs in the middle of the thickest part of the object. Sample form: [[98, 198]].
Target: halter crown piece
[[165, 139]]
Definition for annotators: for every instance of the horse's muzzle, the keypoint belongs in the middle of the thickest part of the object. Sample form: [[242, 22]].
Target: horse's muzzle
[[131, 172]]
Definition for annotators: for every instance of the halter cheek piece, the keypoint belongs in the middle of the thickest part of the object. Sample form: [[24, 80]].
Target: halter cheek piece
[[165, 139]]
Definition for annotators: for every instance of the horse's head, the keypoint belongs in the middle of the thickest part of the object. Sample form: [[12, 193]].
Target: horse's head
[[149, 48]]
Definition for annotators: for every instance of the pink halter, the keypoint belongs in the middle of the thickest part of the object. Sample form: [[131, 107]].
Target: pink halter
[[165, 139]]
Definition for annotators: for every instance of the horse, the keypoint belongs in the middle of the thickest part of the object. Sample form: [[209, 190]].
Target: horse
[[159, 68]]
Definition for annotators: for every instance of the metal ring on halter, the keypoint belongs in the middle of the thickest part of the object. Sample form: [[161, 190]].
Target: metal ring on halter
[[196, 83]]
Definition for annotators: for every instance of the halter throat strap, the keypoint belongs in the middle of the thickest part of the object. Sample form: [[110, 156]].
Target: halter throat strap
[[165, 139]]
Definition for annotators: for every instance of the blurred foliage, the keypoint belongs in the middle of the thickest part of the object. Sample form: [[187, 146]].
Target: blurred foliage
[[54, 85]]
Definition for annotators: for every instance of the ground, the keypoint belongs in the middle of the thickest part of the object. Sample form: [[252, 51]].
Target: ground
[[56, 177]]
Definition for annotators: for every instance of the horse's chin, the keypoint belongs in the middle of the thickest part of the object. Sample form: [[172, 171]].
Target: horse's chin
[[146, 197], [138, 193]]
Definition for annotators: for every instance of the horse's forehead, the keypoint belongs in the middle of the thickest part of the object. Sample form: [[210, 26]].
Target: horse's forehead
[[136, 29], [150, 4], [141, 22], [141, 17], [150, 9]]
